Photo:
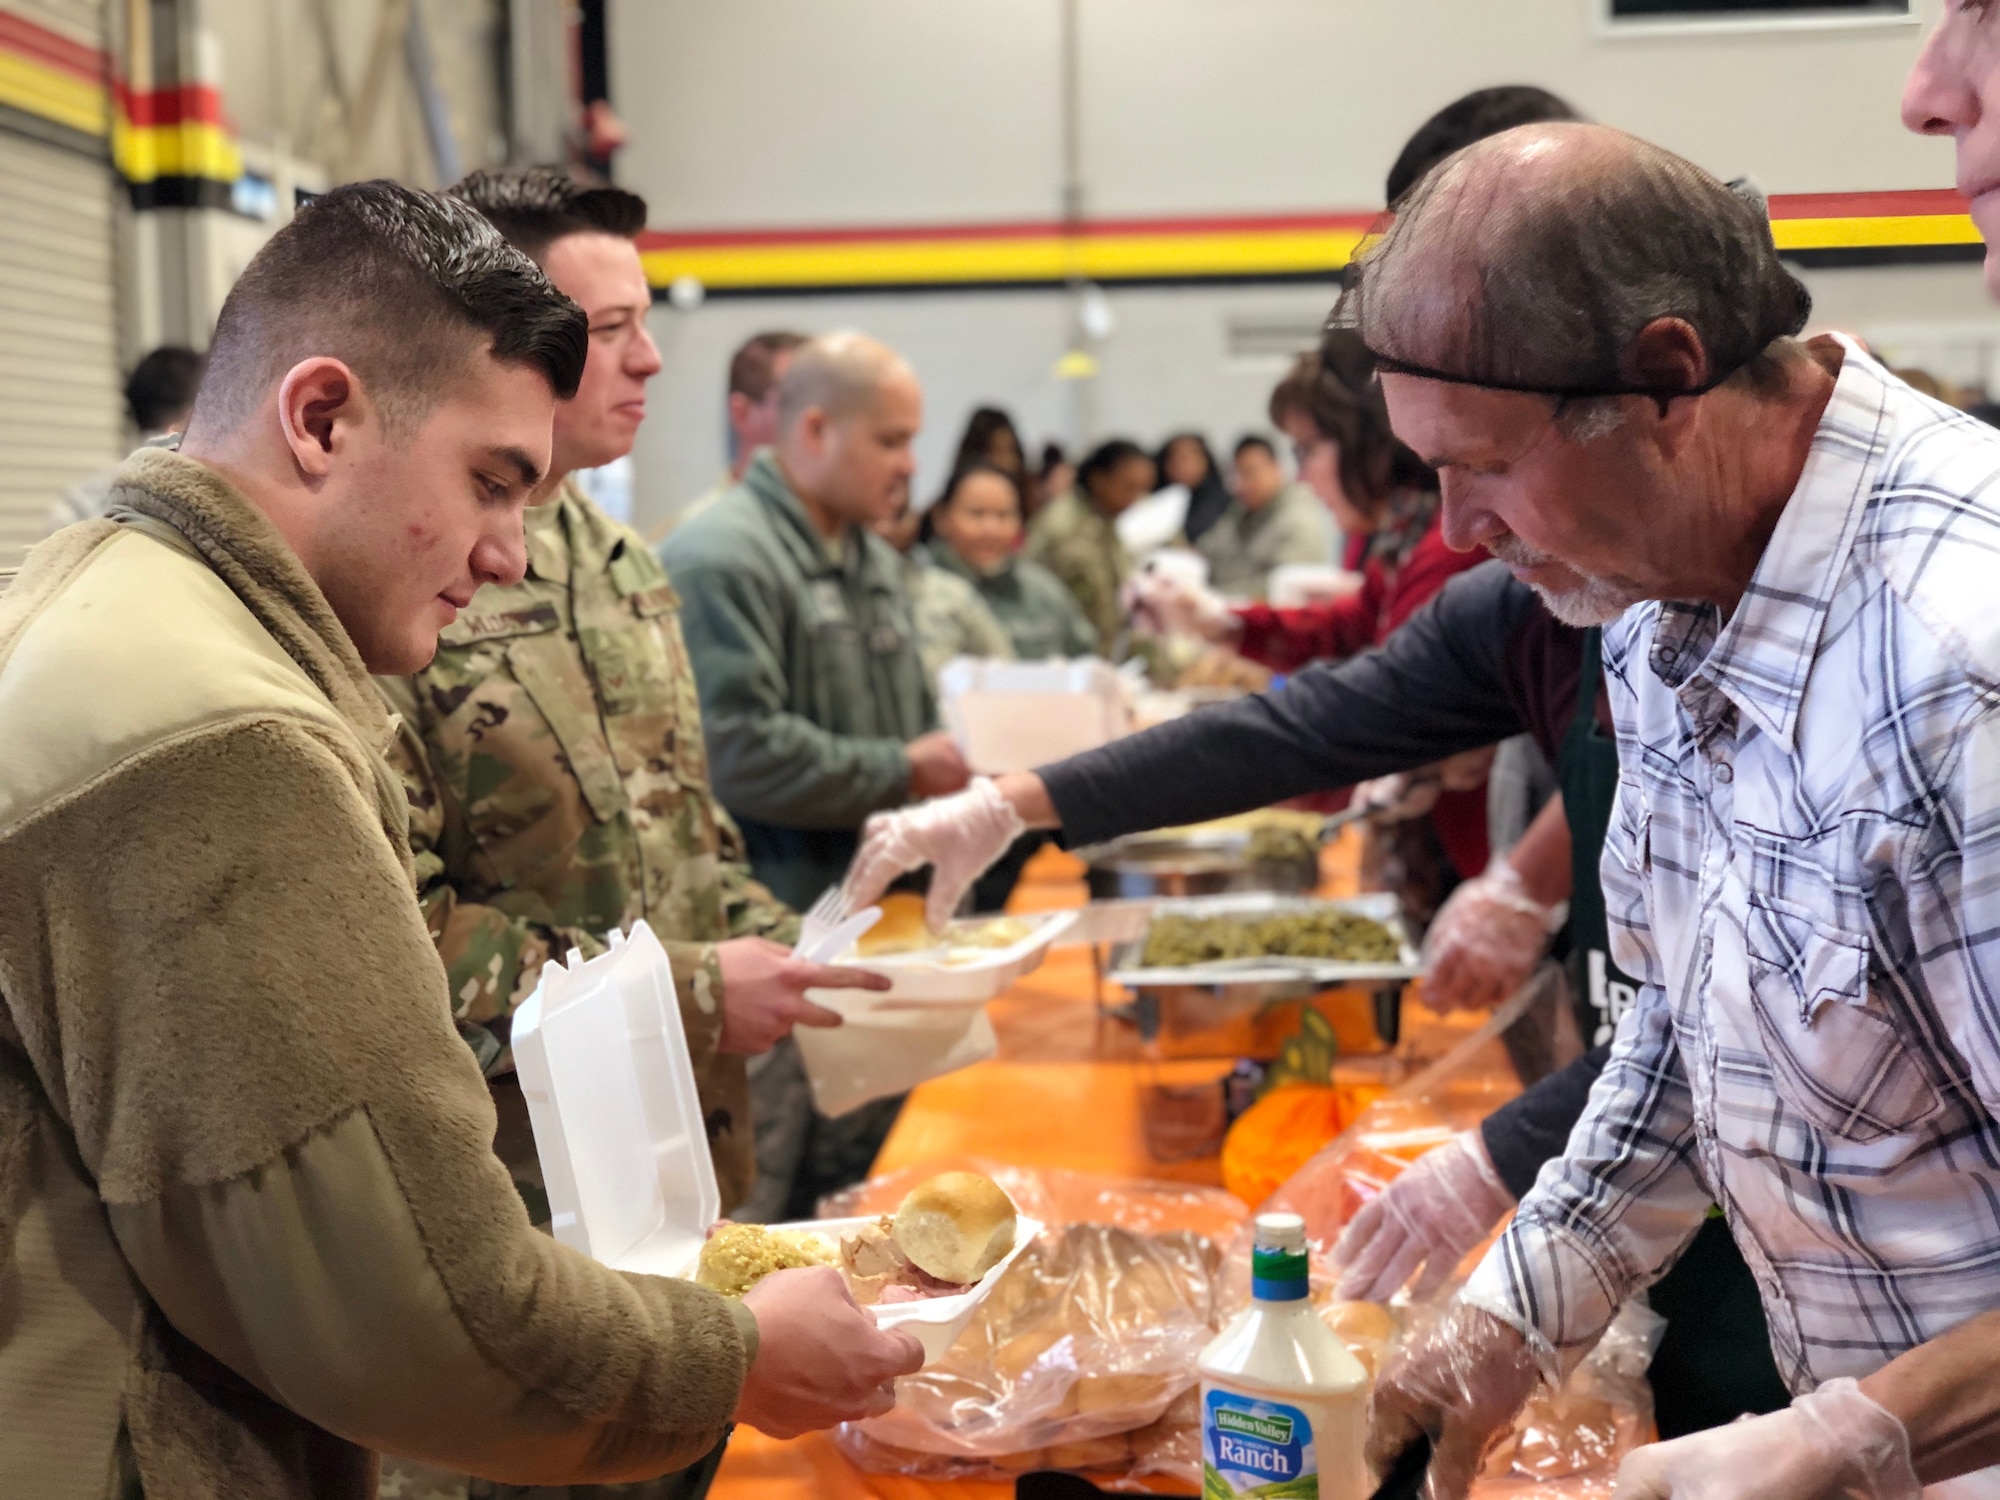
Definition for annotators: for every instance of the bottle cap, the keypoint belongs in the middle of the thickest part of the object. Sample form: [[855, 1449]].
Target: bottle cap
[[1278, 1270]]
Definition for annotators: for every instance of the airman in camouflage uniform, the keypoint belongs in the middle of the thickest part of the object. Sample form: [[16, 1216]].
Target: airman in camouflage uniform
[[951, 618], [1078, 543], [559, 788]]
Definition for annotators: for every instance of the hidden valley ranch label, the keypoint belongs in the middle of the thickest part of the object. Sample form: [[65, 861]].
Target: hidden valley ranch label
[[1251, 1447]]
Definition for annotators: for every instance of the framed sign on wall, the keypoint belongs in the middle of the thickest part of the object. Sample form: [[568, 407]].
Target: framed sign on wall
[[1680, 17]]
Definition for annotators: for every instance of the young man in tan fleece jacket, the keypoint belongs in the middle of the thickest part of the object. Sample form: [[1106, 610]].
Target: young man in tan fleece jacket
[[251, 1223]]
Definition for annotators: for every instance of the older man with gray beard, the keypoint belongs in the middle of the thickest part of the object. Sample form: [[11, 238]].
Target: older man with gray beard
[[1593, 342]]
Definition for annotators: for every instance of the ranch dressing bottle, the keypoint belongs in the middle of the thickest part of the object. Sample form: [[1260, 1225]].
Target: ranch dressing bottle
[[1284, 1406]]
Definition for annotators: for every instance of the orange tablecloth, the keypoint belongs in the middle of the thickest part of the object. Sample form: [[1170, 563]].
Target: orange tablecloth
[[1063, 1091]]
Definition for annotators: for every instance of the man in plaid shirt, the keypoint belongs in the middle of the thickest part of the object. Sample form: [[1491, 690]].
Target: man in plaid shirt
[[1593, 342]]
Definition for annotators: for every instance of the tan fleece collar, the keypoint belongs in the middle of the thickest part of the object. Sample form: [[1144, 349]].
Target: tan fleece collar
[[208, 515]]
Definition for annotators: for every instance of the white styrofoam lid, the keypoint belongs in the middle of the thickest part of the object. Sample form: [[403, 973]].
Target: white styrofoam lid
[[603, 1061]]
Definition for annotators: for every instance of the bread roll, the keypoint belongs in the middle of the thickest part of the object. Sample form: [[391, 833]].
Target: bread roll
[[901, 930], [956, 1227]]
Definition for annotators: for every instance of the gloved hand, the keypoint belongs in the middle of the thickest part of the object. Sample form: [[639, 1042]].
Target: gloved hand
[[1462, 1380], [1161, 601], [1433, 1215], [1397, 797], [1834, 1444], [1486, 940], [957, 836]]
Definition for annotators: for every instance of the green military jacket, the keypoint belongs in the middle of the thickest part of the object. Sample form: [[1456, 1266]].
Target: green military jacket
[[1041, 617], [1244, 546], [811, 684], [952, 619], [558, 788], [1078, 543]]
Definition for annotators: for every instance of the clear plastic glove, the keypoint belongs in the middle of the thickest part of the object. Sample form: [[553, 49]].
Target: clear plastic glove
[[821, 1358], [1834, 1444], [1462, 1380], [1163, 602], [1431, 1216], [1486, 940], [957, 836], [1398, 797]]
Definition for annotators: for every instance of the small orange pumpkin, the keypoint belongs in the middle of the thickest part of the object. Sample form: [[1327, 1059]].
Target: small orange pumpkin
[[1273, 1137]]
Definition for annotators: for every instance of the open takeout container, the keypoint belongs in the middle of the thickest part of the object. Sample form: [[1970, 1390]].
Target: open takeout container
[[931, 980], [604, 1066]]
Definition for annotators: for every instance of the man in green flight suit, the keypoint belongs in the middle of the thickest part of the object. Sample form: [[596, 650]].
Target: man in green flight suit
[[815, 699], [816, 703], [553, 755]]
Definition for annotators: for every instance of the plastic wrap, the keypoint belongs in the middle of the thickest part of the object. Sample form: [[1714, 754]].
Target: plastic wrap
[[1084, 1355], [1570, 1441]]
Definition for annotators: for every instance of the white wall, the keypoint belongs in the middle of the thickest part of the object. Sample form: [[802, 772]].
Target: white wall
[[768, 112], [763, 113]]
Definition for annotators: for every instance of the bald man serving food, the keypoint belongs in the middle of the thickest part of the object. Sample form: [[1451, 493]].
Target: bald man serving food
[[1594, 343]]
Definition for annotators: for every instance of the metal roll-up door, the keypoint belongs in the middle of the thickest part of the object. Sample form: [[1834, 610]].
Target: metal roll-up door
[[61, 411]]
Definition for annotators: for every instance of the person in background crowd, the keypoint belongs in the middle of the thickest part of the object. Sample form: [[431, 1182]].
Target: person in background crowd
[[973, 531], [817, 705], [752, 414], [952, 620], [158, 396], [1055, 477], [990, 437], [1269, 523], [1184, 459], [528, 842], [1076, 539], [252, 1196]]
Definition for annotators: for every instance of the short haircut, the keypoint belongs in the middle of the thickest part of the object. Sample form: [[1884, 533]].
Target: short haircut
[[162, 386], [1481, 113], [1255, 440], [839, 373], [406, 288], [753, 368], [1334, 388], [539, 206], [1105, 458], [1532, 260]]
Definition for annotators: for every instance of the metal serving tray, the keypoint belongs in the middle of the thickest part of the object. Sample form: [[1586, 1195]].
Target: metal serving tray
[[1282, 978]]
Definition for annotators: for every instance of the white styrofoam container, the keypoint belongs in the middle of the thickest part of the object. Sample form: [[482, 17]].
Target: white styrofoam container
[[604, 1066], [936, 1321], [921, 981], [1016, 715], [1292, 585]]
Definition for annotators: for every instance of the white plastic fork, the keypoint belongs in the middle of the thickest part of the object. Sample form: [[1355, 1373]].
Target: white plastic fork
[[829, 928]]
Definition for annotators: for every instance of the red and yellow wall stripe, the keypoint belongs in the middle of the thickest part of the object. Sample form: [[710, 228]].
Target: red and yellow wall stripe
[[173, 146], [1815, 228]]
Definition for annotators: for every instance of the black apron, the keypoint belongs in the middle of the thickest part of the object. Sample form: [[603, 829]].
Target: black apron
[[1714, 1361]]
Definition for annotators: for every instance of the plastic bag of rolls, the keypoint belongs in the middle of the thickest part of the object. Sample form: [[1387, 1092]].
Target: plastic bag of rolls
[[1082, 1358]]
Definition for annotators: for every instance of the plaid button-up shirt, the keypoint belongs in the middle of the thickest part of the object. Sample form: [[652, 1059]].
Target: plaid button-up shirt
[[1803, 870]]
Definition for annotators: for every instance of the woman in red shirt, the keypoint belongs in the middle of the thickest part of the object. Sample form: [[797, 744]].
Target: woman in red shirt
[[1383, 497], [1385, 500]]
